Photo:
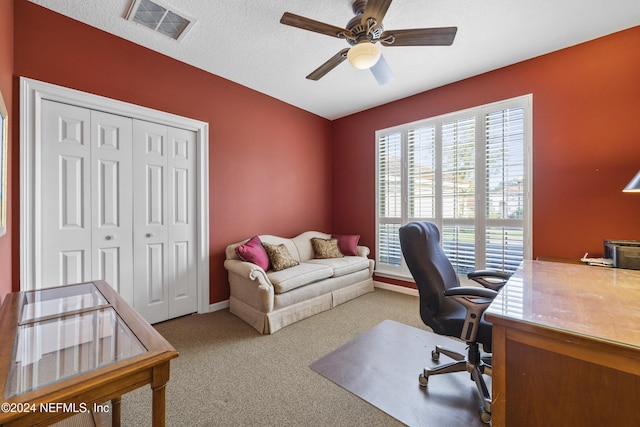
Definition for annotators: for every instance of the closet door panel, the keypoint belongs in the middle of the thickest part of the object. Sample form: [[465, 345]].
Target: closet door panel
[[64, 203], [149, 220], [154, 195], [182, 223], [112, 248], [155, 280]]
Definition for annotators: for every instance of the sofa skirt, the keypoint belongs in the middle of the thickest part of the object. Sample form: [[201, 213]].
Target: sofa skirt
[[268, 323]]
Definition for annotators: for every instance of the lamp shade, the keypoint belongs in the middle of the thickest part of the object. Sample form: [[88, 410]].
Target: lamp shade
[[364, 55], [634, 185]]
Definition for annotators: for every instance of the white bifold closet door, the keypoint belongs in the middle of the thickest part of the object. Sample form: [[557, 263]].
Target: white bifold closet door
[[118, 204], [164, 220], [86, 197]]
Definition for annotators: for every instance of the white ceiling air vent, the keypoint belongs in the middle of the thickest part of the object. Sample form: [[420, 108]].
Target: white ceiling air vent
[[160, 18]]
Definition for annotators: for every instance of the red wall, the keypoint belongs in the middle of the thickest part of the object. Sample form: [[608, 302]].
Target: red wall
[[269, 162], [586, 143], [279, 170], [6, 71]]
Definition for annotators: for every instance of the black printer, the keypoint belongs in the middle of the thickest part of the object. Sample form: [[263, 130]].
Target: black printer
[[624, 253]]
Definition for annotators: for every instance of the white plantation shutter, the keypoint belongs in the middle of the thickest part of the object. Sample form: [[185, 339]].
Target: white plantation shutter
[[505, 162], [458, 243], [504, 194], [458, 169], [390, 176], [422, 172], [389, 252], [389, 201], [504, 248], [459, 192], [469, 173]]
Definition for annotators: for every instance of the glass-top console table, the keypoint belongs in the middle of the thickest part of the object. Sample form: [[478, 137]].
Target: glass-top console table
[[70, 348]]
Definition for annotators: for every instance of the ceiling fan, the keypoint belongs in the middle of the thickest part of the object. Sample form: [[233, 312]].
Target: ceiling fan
[[362, 32]]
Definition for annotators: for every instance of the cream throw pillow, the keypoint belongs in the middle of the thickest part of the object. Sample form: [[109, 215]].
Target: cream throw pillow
[[326, 248], [279, 256]]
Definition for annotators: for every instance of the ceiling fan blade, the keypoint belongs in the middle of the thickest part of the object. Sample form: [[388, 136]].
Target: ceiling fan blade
[[332, 63], [375, 9], [311, 25], [382, 72], [420, 37]]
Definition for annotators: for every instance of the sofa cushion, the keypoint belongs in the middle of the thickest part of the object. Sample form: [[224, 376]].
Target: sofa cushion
[[343, 266], [347, 243], [326, 248], [275, 240], [303, 245], [297, 276], [254, 252], [279, 256]]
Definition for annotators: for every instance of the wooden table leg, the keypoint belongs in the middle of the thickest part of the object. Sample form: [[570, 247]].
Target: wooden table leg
[[159, 415], [115, 411], [158, 385], [498, 377]]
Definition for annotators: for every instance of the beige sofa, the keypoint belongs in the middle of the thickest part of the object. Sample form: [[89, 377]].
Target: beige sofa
[[270, 300]]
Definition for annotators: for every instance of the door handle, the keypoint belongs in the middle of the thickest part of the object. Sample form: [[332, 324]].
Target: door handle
[[149, 235], [109, 237]]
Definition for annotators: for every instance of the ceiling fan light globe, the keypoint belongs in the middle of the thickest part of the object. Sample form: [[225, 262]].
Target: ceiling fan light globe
[[364, 55]]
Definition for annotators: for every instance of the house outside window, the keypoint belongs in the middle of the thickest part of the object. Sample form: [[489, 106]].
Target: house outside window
[[469, 172]]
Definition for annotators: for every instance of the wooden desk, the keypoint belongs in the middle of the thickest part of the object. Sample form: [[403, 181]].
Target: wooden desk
[[69, 349], [566, 347]]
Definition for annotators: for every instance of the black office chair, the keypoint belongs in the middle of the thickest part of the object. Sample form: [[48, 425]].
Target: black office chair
[[450, 309]]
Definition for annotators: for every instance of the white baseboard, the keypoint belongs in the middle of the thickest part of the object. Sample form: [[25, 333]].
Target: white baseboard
[[396, 288], [217, 306]]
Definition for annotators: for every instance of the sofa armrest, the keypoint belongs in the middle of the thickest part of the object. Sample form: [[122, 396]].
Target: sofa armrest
[[249, 271], [362, 251], [250, 284]]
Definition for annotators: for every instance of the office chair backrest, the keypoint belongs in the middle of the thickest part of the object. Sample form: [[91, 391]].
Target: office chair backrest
[[429, 266]]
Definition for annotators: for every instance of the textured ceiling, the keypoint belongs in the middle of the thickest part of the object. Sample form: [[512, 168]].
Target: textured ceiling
[[243, 41]]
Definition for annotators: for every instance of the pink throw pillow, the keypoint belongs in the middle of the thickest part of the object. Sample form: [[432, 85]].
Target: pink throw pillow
[[347, 243], [254, 252]]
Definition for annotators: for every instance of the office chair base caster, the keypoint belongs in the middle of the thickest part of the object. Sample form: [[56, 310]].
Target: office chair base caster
[[423, 380], [485, 416]]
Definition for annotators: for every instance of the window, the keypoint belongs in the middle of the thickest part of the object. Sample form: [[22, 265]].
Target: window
[[469, 173]]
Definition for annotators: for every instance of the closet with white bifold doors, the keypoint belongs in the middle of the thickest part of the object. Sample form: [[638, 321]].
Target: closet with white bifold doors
[[119, 200]]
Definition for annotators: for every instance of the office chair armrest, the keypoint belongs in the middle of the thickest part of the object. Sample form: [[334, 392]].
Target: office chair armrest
[[490, 279], [476, 300], [471, 292]]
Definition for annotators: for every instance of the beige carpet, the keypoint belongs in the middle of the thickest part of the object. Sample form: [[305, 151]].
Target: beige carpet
[[227, 374], [382, 367]]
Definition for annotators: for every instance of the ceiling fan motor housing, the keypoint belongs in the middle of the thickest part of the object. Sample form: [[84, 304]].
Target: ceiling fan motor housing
[[361, 32]]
